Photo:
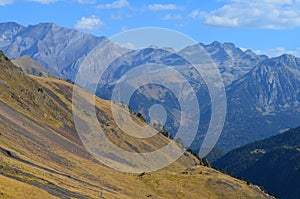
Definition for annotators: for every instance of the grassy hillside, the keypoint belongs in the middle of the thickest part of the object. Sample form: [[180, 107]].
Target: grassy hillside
[[30, 66], [41, 155]]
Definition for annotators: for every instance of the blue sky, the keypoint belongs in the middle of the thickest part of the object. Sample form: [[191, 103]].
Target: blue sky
[[266, 26]]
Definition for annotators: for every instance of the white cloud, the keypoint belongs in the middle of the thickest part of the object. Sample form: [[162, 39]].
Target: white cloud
[[172, 17], [194, 14], [127, 45], [44, 1], [114, 5], [275, 52], [117, 16], [267, 14], [87, 1], [6, 2], [88, 23], [124, 28], [121, 15], [156, 7], [53, 1]]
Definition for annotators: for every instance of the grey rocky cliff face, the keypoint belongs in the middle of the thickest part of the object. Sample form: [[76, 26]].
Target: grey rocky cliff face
[[58, 49], [273, 85]]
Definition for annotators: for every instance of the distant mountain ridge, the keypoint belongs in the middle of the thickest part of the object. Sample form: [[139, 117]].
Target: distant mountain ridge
[[273, 83], [51, 45], [231, 60], [262, 93], [58, 49], [265, 100]]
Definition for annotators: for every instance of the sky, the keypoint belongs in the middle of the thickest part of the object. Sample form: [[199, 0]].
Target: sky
[[270, 27]]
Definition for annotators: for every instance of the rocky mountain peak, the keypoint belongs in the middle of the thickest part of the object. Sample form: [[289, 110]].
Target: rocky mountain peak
[[7, 32], [57, 48], [229, 45], [287, 60], [216, 44], [8, 26]]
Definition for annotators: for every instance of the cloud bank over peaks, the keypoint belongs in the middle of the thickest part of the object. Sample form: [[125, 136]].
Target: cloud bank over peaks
[[266, 14], [88, 23]]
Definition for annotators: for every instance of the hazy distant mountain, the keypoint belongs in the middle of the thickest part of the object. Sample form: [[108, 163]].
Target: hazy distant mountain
[[151, 94], [271, 86], [264, 101], [58, 49], [273, 163], [8, 31], [262, 93], [231, 60], [61, 50]]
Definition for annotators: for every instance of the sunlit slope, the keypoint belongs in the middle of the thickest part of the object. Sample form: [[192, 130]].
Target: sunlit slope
[[41, 155], [30, 66]]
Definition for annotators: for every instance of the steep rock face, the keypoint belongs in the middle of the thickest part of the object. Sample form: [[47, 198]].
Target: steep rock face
[[231, 60], [7, 33], [272, 86], [56, 48], [263, 102]]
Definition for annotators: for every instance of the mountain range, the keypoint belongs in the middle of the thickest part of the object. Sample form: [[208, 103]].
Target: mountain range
[[42, 155], [262, 92], [57, 49]]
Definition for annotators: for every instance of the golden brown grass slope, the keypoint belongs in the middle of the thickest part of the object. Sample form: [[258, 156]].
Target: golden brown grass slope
[[41, 155], [30, 66]]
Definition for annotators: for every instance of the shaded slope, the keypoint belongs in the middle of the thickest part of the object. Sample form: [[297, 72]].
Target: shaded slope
[[273, 163]]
